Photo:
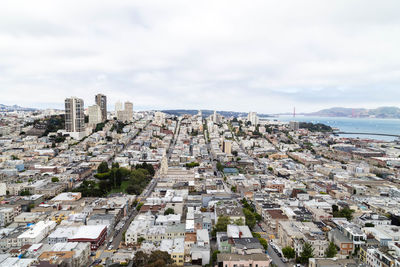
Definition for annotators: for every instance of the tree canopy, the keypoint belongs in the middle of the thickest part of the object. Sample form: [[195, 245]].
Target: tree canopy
[[169, 211], [331, 251], [307, 253], [289, 252], [103, 167]]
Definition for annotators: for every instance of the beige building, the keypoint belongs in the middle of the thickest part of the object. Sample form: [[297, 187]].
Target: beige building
[[295, 234], [74, 115], [127, 113], [101, 101], [6, 216], [95, 115], [227, 149]]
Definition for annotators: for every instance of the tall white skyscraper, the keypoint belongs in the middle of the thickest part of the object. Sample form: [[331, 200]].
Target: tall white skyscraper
[[253, 118], [118, 107]]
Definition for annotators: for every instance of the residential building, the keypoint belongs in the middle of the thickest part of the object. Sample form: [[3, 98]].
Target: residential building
[[95, 115], [101, 101]]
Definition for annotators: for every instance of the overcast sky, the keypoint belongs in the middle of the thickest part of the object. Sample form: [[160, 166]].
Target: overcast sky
[[264, 56]]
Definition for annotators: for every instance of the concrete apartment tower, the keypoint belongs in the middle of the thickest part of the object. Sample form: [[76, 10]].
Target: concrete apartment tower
[[129, 111], [95, 115], [101, 101], [74, 115]]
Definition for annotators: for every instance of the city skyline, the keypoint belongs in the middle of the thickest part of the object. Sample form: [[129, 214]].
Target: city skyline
[[159, 55]]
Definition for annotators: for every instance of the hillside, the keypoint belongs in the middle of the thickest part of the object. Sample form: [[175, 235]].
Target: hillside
[[381, 112]]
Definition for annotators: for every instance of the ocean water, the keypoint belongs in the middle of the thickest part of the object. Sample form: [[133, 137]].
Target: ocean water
[[360, 125]]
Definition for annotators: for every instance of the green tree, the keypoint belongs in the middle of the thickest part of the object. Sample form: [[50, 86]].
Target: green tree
[[369, 225], [25, 193], [289, 252], [331, 251], [55, 179], [220, 167], [123, 236], [103, 176], [234, 189], [103, 167], [239, 221], [192, 165], [139, 206], [158, 255], [140, 259], [221, 224], [307, 253], [134, 189], [345, 213], [335, 208], [250, 218], [115, 165], [214, 256], [263, 242], [104, 186], [169, 211]]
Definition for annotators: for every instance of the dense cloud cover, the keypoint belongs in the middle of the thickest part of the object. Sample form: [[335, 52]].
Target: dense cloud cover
[[265, 56]]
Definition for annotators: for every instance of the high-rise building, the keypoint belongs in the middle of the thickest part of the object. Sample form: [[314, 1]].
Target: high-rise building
[[127, 113], [216, 118], [118, 107], [129, 110], [294, 125], [74, 115], [253, 118], [227, 149], [101, 101], [159, 118], [95, 115]]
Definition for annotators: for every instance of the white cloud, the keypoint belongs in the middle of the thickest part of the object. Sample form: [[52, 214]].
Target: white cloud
[[266, 56]]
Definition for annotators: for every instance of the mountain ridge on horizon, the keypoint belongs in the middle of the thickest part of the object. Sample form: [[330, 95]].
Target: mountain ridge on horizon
[[380, 112], [384, 112]]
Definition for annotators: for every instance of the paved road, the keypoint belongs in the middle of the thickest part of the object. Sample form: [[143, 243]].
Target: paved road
[[118, 235], [275, 258]]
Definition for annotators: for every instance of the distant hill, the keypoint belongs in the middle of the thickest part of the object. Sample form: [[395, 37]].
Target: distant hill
[[381, 112], [5, 108], [206, 113]]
